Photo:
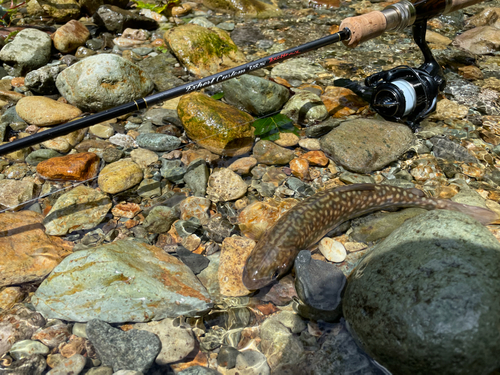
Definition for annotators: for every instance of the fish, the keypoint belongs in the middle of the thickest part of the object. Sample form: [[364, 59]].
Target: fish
[[310, 220]]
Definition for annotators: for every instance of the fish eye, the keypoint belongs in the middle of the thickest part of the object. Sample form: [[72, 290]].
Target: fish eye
[[275, 274]]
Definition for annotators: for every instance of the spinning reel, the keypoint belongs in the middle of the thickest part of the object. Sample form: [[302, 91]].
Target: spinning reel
[[403, 94]]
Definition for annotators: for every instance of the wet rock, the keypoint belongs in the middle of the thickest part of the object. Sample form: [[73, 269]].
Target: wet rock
[[447, 109], [281, 293], [245, 8], [13, 193], [196, 178], [131, 350], [448, 260], [158, 142], [342, 102], [176, 342], [143, 157], [251, 362], [199, 370], [332, 250], [216, 126], [366, 145], [102, 130], [203, 51], [287, 140], [119, 176], [16, 325], [9, 296], [195, 207], [66, 142], [59, 10], [115, 19], [42, 111], [219, 228], [254, 94], [316, 158], [160, 219], [69, 366], [70, 36], [103, 81], [234, 253], [195, 262], [79, 208], [247, 34], [487, 17], [160, 68], [243, 165], [481, 40], [305, 107], [43, 80], [123, 140], [32, 365], [318, 284], [79, 167], [300, 69], [300, 168], [140, 282], [26, 348], [28, 51], [53, 336], [75, 345], [172, 170], [202, 21], [225, 185], [267, 152], [451, 151]]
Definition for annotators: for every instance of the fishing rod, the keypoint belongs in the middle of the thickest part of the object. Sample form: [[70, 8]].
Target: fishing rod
[[401, 94]]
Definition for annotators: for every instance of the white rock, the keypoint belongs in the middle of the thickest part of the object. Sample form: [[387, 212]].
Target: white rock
[[332, 250]]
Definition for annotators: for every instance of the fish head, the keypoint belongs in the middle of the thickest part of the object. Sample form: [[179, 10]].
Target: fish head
[[261, 272]]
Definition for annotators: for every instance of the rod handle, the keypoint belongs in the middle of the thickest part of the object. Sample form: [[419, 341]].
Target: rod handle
[[364, 27]]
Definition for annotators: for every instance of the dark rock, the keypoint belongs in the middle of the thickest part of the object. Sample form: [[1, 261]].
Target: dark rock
[[172, 170], [451, 151], [316, 131], [196, 177], [227, 357], [186, 227], [161, 70], [196, 262], [219, 228], [115, 19], [43, 80], [423, 301], [299, 186], [112, 154], [131, 350], [32, 365], [158, 142], [246, 35]]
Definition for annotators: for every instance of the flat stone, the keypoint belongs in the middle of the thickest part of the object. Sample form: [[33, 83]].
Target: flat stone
[[160, 219], [366, 145], [342, 102], [243, 165], [13, 193], [267, 152], [73, 365], [70, 36], [234, 253], [66, 142], [158, 142], [480, 40], [40, 155], [125, 281], [131, 350], [225, 185], [195, 207], [119, 176], [79, 208], [26, 348], [42, 111], [79, 167], [143, 157], [53, 336], [305, 107]]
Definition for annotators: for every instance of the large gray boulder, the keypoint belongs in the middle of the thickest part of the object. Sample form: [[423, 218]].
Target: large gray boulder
[[426, 300]]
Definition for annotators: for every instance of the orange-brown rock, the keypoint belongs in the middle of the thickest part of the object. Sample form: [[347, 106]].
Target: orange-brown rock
[[300, 168], [234, 253], [316, 158], [26, 252], [77, 167], [341, 102]]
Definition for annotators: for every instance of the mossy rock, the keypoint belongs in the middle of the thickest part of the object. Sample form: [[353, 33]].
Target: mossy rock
[[204, 51], [216, 126]]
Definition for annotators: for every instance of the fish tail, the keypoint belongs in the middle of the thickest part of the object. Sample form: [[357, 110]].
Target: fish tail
[[483, 215]]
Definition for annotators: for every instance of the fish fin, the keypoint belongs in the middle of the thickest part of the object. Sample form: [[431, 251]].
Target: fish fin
[[483, 215]]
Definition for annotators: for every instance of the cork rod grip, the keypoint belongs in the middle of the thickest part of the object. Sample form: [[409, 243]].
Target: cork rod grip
[[365, 27], [460, 4]]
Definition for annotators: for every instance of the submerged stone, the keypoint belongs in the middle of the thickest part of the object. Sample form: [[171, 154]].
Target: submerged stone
[[125, 281], [245, 8], [424, 300]]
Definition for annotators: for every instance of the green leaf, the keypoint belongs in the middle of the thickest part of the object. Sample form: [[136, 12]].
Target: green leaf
[[275, 124], [218, 96]]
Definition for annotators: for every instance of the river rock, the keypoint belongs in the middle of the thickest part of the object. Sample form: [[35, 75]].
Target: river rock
[[26, 348], [103, 81], [487, 17], [234, 253], [79, 208], [160, 219], [28, 51], [195, 207], [79, 167], [70, 36], [125, 281], [254, 94], [158, 142], [72, 365], [203, 51], [423, 301], [54, 335], [59, 10], [119, 176], [342, 102], [27, 253], [160, 68], [366, 145], [42, 111], [13, 193], [64, 143], [299, 69], [480, 40], [115, 19], [267, 152], [176, 341], [216, 126], [245, 8], [43, 80], [225, 185], [305, 107]]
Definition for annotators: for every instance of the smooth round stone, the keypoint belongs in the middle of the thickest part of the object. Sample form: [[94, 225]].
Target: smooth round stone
[[332, 250], [287, 140], [102, 130], [72, 365], [310, 144], [40, 155], [225, 185], [70, 36], [123, 140], [119, 176], [158, 142], [25, 348], [74, 167], [243, 165], [143, 157], [267, 152], [79, 329], [42, 111], [424, 300]]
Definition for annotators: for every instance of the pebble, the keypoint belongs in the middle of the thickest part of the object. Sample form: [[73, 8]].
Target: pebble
[[53, 336], [195, 207], [243, 165], [9, 296], [66, 142], [447, 109], [332, 250], [317, 158], [70, 36], [128, 210], [74, 167], [250, 362], [145, 282], [287, 140], [267, 152], [225, 185], [143, 157], [305, 108], [115, 19], [40, 155], [480, 40], [43, 80], [102, 130], [80, 208], [234, 253], [123, 140], [42, 111], [299, 69], [342, 102], [196, 178], [160, 219], [300, 168], [14, 193], [75, 345], [25, 348], [310, 144], [131, 350], [69, 366], [149, 188], [158, 142], [119, 176]]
